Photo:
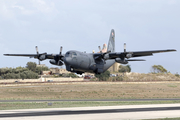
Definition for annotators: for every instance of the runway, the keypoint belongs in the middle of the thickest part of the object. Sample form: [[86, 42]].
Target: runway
[[99, 113], [76, 100]]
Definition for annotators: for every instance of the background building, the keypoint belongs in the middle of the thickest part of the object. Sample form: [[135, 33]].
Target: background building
[[58, 71], [114, 67]]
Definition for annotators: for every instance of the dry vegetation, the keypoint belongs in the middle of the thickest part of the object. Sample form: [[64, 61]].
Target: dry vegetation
[[146, 77], [93, 91]]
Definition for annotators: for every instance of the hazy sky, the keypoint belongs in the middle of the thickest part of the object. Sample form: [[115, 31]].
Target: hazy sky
[[83, 25]]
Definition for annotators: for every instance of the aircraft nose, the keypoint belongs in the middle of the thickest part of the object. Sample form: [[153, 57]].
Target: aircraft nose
[[67, 60]]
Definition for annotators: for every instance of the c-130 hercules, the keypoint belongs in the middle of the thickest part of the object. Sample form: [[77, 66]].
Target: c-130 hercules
[[97, 63]]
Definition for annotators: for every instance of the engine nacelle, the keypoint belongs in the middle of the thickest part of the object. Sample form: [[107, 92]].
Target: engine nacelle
[[129, 55], [119, 60], [54, 62], [42, 57]]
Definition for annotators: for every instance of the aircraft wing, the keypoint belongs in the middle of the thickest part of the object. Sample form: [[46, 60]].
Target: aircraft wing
[[41, 56], [137, 53], [123, 57], [47, 56]]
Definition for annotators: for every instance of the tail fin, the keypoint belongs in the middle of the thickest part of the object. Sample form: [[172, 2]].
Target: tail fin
[[111, 44]]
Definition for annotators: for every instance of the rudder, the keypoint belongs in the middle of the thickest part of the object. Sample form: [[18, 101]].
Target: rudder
[[111, 44]]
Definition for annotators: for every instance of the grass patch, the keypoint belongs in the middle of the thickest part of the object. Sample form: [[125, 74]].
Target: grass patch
[[92, 91], [35, 105], [172, 85]]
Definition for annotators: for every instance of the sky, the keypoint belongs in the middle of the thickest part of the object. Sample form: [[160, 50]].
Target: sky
[[84, 25]]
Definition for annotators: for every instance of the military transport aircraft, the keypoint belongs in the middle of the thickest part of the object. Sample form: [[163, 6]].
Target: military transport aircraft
[[97, 63]]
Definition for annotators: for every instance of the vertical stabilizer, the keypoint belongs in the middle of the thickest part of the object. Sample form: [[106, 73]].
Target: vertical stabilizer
[[111, 44], [110, 47]]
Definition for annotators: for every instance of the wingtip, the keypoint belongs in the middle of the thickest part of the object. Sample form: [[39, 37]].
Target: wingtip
[[172, 50]]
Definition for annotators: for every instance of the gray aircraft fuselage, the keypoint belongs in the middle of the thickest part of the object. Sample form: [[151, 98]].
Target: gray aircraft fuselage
[[80, 62]]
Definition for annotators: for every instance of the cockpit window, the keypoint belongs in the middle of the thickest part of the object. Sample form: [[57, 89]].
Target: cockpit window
[[67, 54], [74, 54]]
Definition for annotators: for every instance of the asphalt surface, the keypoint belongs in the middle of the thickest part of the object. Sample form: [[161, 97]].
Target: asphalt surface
[[79, 112], [89, 100]]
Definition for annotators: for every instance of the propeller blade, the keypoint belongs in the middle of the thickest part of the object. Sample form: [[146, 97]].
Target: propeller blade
[[60, 50], [37, 54], [37, 50], [100, 49], [124, 47], [136, 60]]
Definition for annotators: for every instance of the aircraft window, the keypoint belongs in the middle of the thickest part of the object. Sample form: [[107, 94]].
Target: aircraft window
[[74, 54], [67, 54]]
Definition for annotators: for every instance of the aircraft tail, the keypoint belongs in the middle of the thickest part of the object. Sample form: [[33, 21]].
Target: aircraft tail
[[111, 44]]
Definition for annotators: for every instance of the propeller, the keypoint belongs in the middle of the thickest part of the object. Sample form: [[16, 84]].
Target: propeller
[[41, 56], [102, 56], [37, 50], [60, 51], [100, 49], [60, 54], [58, 58], [37, 53], [124, 47]]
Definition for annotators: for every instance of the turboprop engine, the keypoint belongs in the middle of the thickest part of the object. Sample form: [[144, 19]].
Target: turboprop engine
[[54, 62], [128, 55], [119, 60], [42, 57]]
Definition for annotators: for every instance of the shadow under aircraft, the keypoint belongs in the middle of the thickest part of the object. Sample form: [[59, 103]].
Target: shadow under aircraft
[[79, 62]]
